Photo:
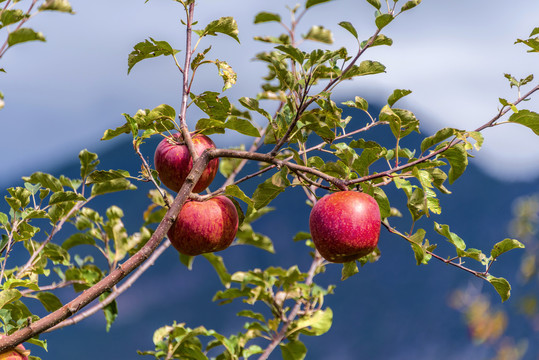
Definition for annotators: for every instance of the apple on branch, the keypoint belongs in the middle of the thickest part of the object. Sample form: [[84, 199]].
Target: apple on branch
[[173, 162], [204, 226], [345, 226]]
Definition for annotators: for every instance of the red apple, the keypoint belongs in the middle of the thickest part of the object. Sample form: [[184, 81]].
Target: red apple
[[173, 162], [204, 226], [345, 226], [18, 353]]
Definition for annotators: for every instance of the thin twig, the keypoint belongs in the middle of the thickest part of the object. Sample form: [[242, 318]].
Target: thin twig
[[281, 335], [54, 231], [185, 89], [116, 291]]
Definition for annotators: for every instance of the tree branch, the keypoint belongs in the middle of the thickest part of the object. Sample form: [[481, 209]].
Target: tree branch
[[281, 335], [117, 274], [115, 292]]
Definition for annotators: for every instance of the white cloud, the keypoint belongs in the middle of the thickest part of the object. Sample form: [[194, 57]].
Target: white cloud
[[63, 94]]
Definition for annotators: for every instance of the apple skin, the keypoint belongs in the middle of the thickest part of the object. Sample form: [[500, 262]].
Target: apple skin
[[345, 226], [19, 353], [204, 226], [173, 162]]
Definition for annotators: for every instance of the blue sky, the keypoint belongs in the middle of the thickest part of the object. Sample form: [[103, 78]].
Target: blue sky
[[61, 95]]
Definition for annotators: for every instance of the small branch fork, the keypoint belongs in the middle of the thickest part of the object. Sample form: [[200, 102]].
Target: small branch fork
[[479, 274]]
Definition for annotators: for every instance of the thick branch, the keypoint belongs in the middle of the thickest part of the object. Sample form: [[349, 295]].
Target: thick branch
[[115, 292], [267, 158], [117, 274]]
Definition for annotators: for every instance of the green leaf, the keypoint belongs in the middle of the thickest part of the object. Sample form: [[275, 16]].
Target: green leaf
[[8, 17], [149, 49], [527, 118], [292, 52], [450, 236], [88, 163], [4, 220], [219, 266], [310, 3], [316, 324], [65, 196], [440, 135], [263, 16], [57, 254], [504, 246], [265, 193], [46, 180], [23, 35], [349, 269], [397, 94], [348, 26], [293, 350], [502, 286], [225, 25], [110, 310], [234, 190], [242, 126], [49, 301], [246, 236], [458, 160], [252, 104], [534, 32], [78, 239], [112, 186], [375, 3], [383, 20], [358, 103], [410, 4], [8, 296], [366, 67], [319, 33], [380, 39], [99, 176], [57, 5], [187, 260]]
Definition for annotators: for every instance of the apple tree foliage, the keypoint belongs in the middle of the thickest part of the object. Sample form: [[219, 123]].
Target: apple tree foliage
[[299, 137]]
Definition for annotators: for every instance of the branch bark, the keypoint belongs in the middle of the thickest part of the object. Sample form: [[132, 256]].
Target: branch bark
[[117, 274]]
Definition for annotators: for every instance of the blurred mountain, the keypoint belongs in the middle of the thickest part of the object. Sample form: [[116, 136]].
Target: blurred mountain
[[392, 309]]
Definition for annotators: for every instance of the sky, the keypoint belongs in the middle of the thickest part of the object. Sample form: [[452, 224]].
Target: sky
[[61, 95]]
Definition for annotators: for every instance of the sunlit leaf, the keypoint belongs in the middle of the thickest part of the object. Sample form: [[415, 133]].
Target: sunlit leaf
[[410, 4], [225, 25], [57, 5], [349, 269], [112, 186], [219, 266], [293, 350], [504, 246], [149, 49], [310, 3], [502, 286], [527, 118], [319, 33], [348, 26], [397, 94], [263, 16], [450, 236], [23, 35]]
